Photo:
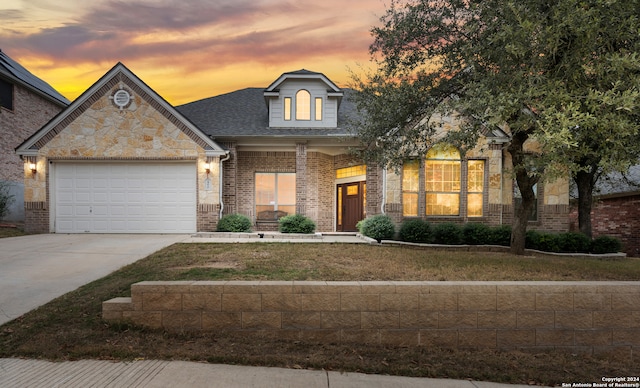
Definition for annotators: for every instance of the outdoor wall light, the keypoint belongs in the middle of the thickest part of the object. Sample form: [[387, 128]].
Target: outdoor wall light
[[32, 167], [207, 168]]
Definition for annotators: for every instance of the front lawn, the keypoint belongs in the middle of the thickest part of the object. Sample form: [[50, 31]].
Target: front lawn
[[71, 327]]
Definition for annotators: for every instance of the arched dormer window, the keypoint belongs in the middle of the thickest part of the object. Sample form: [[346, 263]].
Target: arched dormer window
[[303, 105]]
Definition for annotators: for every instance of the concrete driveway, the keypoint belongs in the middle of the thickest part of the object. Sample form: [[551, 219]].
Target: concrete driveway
[[36, 269]]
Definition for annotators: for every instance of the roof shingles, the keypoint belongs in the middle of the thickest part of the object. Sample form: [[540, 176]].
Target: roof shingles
[[244, 113], [14, 70]]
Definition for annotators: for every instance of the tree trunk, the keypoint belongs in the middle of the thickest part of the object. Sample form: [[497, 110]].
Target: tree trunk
[[522, 212], [525, 182], [585, 182]]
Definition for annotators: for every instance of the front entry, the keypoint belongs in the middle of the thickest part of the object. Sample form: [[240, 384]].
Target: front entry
[[351, 200]]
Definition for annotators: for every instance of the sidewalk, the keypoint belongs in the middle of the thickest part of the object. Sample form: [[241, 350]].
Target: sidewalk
[[157, 374]]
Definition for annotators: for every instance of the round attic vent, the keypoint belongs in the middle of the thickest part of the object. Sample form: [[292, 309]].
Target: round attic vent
[[121, 98]]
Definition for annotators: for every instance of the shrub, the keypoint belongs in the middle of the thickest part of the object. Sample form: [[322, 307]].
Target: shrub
[[500, 235], [234, 223], [378, 227], [447, 233], [415, 230], [476, 234], [296, 223], [541, 241], [573, 242], [605, 244]]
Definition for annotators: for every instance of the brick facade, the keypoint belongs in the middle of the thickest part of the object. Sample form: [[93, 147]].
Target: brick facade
[[36, 217], [30, 112], [315, 183], [321, 190], [618, 217], [207, 219], [250, 162]]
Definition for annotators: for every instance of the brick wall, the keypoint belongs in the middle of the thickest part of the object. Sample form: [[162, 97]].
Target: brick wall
[[617, 217], [207, 218], [36, 217], [321, 190], [315, 181], [30, 113], [591, 317], [229, 179], [248, 164]]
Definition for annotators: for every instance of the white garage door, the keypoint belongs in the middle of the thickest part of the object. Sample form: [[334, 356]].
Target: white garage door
[[125, 198]]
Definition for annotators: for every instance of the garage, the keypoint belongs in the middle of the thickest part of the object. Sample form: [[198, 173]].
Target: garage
[[126, 197]]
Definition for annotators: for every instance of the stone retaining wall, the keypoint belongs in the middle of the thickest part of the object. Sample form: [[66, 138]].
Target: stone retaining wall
[[592, 317]]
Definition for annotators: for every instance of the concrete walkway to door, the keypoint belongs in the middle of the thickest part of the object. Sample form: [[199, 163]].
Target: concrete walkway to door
[[35, 269]]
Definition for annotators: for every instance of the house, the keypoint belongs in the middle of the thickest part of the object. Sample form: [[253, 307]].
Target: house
[[26, 104], [122, 159], [616, 209]]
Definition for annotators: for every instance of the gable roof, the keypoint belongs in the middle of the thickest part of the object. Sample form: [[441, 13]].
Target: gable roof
[[119, 74], [303, 74], [18, 74]]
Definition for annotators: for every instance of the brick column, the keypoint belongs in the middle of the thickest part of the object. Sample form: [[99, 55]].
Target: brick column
[[374, 190], [229, 179], [301, 178]]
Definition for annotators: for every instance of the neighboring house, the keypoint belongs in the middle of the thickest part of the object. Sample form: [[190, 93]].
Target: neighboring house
[[616, 210], [26, 104], [121, 159]]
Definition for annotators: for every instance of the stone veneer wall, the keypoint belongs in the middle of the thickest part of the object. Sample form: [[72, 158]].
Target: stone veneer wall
[[591, 317], [141, 132]]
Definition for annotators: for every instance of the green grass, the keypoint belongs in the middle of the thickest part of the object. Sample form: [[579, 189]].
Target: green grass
[[71, 327]]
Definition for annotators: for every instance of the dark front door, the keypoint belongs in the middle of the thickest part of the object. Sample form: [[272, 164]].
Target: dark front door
[[351, 205]]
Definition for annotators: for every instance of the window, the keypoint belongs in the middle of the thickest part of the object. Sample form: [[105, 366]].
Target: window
[[303, 105], [442, 178], [441, 190], [349, 172], [287, 108], [318, 108], [275, 195], [475, 187], [6, 94], [410, 188]]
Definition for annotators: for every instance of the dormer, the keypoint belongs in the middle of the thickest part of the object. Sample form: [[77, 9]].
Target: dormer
[[303, 99]]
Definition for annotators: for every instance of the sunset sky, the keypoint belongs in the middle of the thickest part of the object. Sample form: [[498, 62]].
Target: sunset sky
[[187, 49]]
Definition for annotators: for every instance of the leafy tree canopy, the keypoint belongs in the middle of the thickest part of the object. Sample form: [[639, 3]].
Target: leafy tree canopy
[[563, 73]]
